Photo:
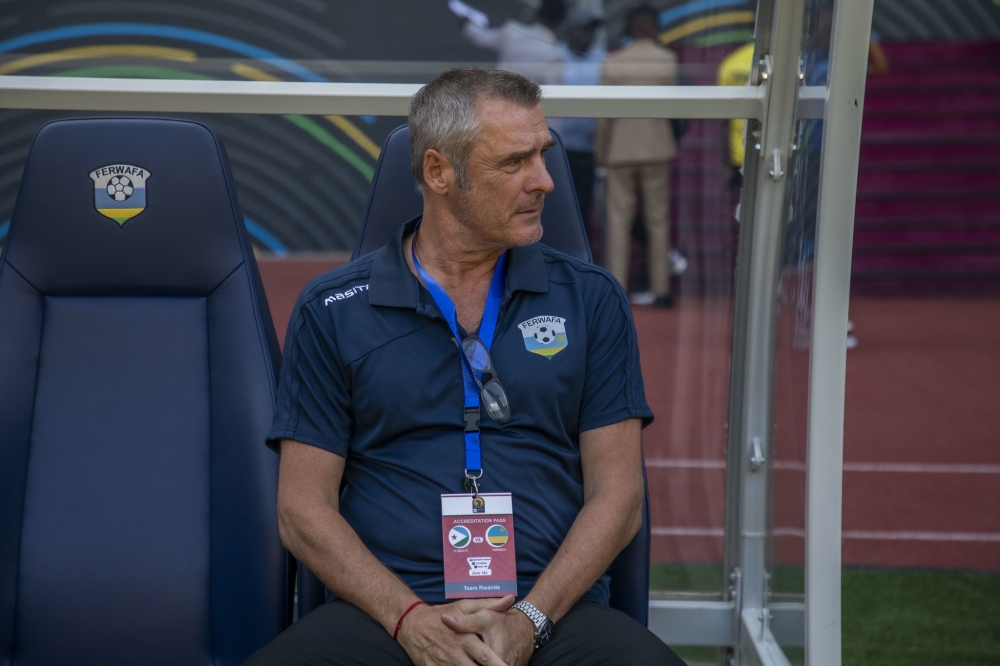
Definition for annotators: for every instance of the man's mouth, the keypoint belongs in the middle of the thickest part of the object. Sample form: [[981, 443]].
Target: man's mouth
[[534, 210]]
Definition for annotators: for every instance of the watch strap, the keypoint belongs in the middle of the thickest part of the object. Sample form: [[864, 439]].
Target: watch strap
[[539, 619]]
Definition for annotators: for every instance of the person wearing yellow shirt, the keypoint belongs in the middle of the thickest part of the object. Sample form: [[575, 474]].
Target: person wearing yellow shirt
[[735, 71]]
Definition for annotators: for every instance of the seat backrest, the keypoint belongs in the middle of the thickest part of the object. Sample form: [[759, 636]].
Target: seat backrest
[[394, 199], [137, 382]]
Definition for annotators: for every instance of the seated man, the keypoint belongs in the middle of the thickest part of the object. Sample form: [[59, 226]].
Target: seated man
[[381, 428]]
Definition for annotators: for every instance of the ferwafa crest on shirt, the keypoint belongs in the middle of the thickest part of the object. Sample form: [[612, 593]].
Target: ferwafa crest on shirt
[[544, 335]]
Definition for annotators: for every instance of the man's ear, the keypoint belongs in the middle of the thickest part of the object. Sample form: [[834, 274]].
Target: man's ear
[[439, 174]]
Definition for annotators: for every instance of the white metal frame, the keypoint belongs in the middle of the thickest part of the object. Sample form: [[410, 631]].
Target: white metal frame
[[380, 99], [777, 56], [744, 619], [828, 359]]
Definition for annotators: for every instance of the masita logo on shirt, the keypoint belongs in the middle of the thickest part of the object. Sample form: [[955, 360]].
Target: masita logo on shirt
[[545, 336], [344, 295]]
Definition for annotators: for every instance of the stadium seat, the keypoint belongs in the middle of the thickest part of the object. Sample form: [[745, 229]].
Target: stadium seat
[[393, 200], [137, 380]]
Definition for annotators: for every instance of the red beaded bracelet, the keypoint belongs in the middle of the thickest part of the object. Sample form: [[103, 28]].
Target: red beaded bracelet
[[401, 617]]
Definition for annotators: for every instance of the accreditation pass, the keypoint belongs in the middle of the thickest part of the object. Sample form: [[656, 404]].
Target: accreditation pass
[[478, 540]]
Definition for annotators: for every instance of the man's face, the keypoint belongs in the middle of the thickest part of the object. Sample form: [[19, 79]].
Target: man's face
[[507, 179]]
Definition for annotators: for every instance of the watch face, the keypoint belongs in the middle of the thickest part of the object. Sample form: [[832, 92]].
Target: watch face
[[544, 633]]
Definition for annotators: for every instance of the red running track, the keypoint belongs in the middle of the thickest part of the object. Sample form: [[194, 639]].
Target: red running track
[[922, 440]]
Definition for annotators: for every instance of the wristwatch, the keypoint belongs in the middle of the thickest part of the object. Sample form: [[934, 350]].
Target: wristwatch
[[543, 625]]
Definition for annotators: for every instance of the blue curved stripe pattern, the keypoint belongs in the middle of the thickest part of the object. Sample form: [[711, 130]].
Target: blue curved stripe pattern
[[675, 13], [254, 229], [169, 32], [265, 237]]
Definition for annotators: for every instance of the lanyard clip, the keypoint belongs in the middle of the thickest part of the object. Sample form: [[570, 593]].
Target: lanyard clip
[[471, 482], [472, 419]]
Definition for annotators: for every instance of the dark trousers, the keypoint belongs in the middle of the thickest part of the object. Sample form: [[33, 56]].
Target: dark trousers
[[340, 634]]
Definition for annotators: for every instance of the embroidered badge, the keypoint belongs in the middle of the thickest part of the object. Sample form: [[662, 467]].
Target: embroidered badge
[[120, 191], [545, 336]]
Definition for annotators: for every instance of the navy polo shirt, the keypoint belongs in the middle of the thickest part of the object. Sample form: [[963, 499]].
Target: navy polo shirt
[[370, 373]]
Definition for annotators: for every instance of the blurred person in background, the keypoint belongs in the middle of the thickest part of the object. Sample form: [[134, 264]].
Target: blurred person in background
[[735, 71], [531, 50], [583, 62], [636, 153]]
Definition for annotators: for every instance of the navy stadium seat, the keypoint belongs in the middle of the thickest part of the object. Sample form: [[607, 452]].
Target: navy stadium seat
[[137, 380], [393, 200]]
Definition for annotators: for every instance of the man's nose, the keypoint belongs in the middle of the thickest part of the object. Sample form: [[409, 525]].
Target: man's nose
[[540, 181]]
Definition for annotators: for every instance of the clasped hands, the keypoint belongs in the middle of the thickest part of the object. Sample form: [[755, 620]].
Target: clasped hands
[[470, 631]]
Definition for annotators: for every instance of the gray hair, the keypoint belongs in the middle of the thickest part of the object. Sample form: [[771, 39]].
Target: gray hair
[[443, 113]]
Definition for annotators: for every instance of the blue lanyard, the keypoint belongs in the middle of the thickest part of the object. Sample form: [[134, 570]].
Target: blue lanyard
[[487, 329]]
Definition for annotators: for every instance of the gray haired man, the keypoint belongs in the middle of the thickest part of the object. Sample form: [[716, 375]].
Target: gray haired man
[[431, 490]]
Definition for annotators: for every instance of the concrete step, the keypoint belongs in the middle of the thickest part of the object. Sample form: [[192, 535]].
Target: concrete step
[[928, 155], [874, 208], [894, 104], [942, 241], [933, 126], [936, 80], [980, 184], [928, 55]]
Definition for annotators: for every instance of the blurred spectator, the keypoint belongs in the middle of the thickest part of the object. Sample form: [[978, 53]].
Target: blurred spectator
[[583, 62], [878, 62], [735, 71], [637, 153], [530, 50]]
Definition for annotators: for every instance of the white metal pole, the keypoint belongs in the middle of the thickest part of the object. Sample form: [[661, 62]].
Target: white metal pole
[[828, 359], [381, 99]]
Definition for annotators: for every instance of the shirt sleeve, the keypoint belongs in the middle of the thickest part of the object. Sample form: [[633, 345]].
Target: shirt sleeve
[[613, 390], [313, 405]]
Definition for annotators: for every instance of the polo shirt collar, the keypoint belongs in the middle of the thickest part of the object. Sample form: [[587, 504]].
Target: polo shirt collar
[[391, 282], [527, 270], [393, 285]]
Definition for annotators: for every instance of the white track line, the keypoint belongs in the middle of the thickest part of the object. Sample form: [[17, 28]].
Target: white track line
[[922, 536], [686, 463], [899, 468], [689, 531], [862, 535], [933, 468]]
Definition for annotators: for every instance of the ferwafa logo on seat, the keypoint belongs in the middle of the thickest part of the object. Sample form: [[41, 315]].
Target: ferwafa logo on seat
[[120, 191]]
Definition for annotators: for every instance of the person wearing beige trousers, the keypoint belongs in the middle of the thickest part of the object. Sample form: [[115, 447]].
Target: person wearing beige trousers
[[636, 153]]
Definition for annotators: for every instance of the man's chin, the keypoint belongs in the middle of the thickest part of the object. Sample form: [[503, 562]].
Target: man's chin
[[527, 233]]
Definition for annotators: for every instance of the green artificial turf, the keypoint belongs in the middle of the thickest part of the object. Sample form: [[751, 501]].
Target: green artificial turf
[[897, 618], [686, 577], [891, 617]]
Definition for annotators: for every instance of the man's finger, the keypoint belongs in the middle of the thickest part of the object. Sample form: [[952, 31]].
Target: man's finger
[[466, 624], [480, 652], [475, 605], [501, 604]]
